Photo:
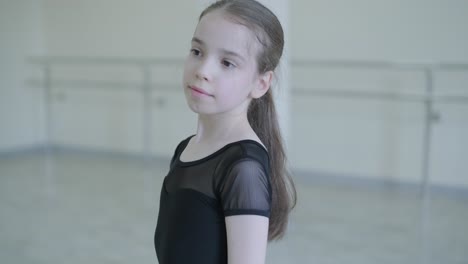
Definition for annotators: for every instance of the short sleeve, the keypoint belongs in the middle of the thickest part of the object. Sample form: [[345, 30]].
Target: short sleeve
[[246, 189]]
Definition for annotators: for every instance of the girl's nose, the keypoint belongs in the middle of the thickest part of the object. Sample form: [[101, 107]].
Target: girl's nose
[[204, 70]]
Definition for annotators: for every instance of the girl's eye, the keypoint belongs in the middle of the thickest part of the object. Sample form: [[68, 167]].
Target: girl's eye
[[195, 52], [228, 64]]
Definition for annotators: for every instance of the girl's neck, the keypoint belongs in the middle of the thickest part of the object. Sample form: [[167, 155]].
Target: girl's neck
[[222, 128]]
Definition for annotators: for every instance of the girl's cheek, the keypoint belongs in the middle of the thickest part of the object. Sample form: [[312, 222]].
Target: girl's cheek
[[189, 66], [192, 64]]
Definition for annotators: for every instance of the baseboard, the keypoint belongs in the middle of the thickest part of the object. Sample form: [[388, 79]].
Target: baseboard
[[24, 150], [310, 177], [321, 177], [73, 149]]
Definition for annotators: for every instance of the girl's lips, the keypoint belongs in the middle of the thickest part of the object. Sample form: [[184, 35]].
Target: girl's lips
[[199, 90]]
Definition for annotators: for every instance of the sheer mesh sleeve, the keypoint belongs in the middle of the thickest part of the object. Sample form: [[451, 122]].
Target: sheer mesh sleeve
[[246, 189]]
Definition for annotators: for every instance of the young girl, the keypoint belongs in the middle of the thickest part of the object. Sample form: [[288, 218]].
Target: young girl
[[228, 191]]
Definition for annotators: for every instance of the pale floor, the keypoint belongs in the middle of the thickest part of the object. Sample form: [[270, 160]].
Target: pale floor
[[92, 208]]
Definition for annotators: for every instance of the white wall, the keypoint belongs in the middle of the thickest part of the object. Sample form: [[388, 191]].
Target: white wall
[[120, 28], [375, 138], [21, 35], [397, 30]]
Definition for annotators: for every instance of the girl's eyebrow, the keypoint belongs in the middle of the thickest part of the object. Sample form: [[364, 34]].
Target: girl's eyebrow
[[225, 51], [197, 40]]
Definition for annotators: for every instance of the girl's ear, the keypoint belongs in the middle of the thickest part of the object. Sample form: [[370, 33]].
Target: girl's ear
[[263, 84]]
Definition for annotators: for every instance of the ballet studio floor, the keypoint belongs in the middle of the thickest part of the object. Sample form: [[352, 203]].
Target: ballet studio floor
[[79, 207]]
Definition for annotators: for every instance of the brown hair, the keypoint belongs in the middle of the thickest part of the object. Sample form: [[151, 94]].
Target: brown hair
[[262, 113]]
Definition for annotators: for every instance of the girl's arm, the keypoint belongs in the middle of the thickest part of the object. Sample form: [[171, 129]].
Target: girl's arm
[[247, 237]]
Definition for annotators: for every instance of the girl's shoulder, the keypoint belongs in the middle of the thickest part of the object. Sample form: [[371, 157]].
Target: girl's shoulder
[[244, 150], [178, 150]]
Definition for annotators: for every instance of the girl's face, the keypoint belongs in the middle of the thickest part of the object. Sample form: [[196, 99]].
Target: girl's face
[[220, 73]]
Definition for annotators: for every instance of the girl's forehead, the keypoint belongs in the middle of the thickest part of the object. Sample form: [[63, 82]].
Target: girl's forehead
[[218, 31]]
